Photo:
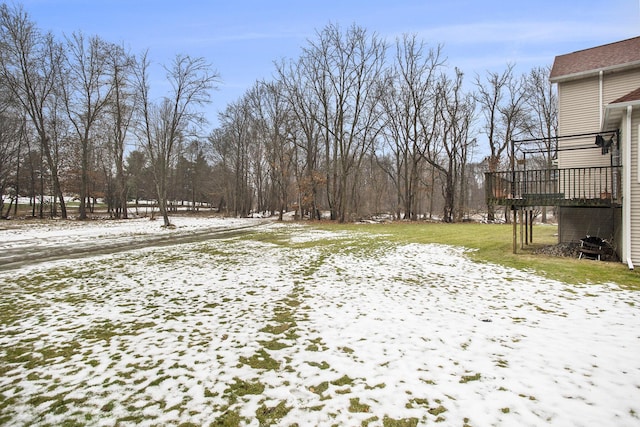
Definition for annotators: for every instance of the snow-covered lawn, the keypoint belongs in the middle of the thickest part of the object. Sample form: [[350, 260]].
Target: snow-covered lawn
[[290, 325]]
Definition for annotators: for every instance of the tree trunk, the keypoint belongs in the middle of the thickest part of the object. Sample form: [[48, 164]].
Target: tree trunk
[[162, 202], [53, 168], [84, 178]]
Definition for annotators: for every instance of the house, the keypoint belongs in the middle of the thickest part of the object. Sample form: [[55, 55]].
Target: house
[[595, 181]]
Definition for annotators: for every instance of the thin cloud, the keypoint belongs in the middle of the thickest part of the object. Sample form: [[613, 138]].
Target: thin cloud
[[530, 32]]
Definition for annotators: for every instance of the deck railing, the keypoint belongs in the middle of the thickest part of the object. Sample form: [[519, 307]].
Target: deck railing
[[592, 186]]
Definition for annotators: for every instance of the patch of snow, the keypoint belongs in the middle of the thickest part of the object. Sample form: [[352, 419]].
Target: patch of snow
[[162, 334]]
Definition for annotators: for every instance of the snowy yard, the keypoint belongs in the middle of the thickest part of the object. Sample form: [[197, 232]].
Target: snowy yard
[[290, 325]]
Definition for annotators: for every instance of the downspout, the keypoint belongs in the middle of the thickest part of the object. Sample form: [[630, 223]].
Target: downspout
[[626, 189], [601, 95]]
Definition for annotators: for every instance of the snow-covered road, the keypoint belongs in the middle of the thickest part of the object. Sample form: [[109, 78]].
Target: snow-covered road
[[26, 243]]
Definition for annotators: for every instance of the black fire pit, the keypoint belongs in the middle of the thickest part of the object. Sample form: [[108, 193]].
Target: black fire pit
[[592, 247]]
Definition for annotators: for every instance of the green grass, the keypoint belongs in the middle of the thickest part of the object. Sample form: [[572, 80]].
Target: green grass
[[494, 243], [437, 410], [406, 422], [280, 329], [271, 415], [344, 380], [261, 360], [228, 418], [356, 406], [469, 378], [242, 388]]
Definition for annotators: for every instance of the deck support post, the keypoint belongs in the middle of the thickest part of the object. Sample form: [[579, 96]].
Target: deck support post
[[515, 229], [520, 212], [531, 226], [526, 227]]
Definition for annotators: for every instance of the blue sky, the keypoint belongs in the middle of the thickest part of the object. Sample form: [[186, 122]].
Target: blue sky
[[242, 39]]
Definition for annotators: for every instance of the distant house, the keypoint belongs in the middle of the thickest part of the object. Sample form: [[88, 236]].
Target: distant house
[[595, 182]]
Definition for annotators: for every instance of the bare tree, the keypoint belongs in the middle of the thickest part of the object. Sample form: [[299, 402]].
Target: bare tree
[[343, 68], [232, 146], [303, 107], [198, 176], [543, 104], [12, 133], [137, 171], [455, 113], [30, 65], [502, 99], [222, 154], [260, 169], [408, 103], [120, 65], [86, 92], [273, 113], [164, 124]]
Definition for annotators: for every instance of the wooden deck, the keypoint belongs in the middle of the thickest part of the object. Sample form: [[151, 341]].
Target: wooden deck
[[595, 186]]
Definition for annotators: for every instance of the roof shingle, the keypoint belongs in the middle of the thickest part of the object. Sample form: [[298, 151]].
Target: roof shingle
[[597, 58], [630, 97]]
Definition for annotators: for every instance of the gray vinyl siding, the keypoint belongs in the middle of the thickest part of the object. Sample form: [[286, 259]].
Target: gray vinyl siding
[[578, 113], [635, 189], [619, 84], [578, 107]]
